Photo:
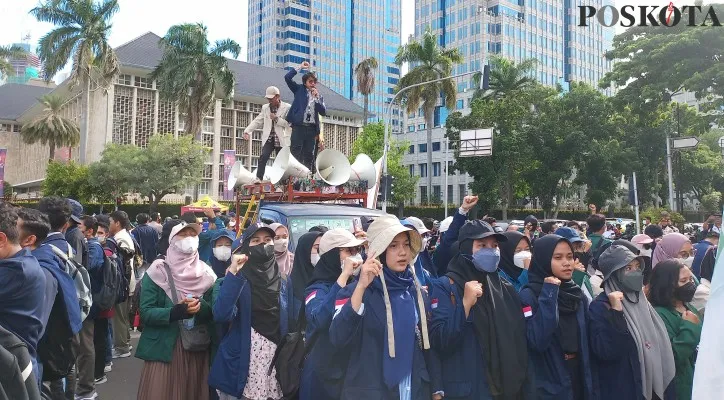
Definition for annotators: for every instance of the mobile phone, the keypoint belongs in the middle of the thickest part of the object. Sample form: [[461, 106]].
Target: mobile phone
[[356, 225]]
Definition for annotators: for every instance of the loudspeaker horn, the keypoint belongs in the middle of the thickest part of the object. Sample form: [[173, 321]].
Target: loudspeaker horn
[[239, 176], [285, 165], [333, 167], [363, 169]]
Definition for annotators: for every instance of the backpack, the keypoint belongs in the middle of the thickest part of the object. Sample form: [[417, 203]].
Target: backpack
[[111, 248], [18, 381], [80, 277], [111, 279], [55, 349]]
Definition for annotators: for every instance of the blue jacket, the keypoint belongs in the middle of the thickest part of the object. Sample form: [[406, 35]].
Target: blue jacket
[[205, 238], [301, 99], [325, 366], [96, 257], [230, 367], [701, 249], [443, 251], [66, 286], [552, 379], [147, 238], [464, 373], [294, 306], [517, 283], [364, 337], [615, 354], [22, 298]]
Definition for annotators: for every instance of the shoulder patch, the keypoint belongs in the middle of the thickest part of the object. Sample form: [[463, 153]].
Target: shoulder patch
[[527, 311], [310, 297]]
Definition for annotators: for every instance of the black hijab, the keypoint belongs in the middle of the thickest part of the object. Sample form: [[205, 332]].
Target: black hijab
[[498, 324], [328, 267], [262, 272], [569, 294], [163, 243], [303, 269], [507, 254]]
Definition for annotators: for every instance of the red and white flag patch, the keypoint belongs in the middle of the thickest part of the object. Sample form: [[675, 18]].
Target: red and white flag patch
[[309, 298], [338, 304], [527, 311], [433, 303]]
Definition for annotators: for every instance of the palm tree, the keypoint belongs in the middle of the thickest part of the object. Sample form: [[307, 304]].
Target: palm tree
[[366, 82], [6, 52], [191, 70], [506, 78], [81, 35], [430, 62], [51, 127]]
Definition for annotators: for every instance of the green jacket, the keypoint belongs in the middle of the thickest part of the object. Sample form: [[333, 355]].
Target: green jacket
[[595, 238], [684, 337], [159, 336]]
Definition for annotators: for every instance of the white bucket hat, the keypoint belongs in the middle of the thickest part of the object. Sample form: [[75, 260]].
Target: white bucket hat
[[338, 238]]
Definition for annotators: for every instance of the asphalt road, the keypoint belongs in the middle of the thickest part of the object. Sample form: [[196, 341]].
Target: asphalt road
[[124, 378]]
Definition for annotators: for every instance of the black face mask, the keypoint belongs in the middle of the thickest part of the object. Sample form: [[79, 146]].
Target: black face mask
[[685, 293], [261, 253]]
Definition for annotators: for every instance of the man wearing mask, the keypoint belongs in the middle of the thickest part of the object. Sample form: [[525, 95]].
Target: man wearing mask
[[272, 121], [121, 335]]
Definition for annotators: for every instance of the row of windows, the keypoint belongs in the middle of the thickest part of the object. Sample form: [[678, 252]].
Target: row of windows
[[436, 171], [292, 59], [293, 47], [422, 147], [291, 22], [293, 35], [297, 12]]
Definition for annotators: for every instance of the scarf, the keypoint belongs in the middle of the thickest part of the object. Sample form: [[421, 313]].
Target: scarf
[[400, 288], [303, 269], [217, 265], [498, 324], [190, 275], [569, 294], [668, 248], [507, 254], [262, 273], [285, 259], [652, 339], [328, 267]]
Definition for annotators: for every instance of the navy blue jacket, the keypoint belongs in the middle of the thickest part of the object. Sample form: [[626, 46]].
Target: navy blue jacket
[[66, 286], [552, 379], [325, 366], [443, 251], [22, 298], [615, 354], [230, 367], [701, 249], [301, 99], [464, 373], [294, 305], [147, 238], [96, 257], [364, 337]]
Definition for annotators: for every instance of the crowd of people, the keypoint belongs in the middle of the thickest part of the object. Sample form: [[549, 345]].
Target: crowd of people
[[394, 309]]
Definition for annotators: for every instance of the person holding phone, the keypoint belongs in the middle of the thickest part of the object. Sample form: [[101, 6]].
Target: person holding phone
[[304, 114]]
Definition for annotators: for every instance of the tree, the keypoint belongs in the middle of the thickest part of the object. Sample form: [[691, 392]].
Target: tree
[[119, 167], [51, 127], [364, 71], [368, 142], [506, 78], [430, 62], [191, 70], [711, 202], [69, 180], [81, 35], [6, 52], [699, 168]]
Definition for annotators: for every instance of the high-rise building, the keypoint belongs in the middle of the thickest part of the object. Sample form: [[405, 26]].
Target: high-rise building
[[515, 29], [334, 37], [26, 67]]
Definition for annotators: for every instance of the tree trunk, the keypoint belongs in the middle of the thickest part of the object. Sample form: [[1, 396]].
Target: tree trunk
[[429, 155], [86, 122], [52, 151], [366, 111]]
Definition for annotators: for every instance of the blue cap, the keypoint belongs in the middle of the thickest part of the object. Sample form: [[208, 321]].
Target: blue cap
[[76, 210], [249, 232], [569, 233]]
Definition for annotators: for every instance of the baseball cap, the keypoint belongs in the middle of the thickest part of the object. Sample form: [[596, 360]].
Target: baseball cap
[[272, 91], [76, 210], [477, 229], [418, 225], [445, 224], [569, 233], [338, 238], [641, 238], [178, 228]]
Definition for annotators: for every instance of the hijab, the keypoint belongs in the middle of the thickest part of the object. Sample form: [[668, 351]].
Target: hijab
[[507, 254], [649, 332], [303, 269], [498, 324], [285, 259], [190, 275], [328, 267], [163, 242], [262, 272], [668, 248], [217, 265]]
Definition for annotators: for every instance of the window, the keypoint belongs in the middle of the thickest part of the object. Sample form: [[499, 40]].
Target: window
[[421, 127], [436, 194], [450, 168], [411, 128], [449, 194], [423, 194], [436, 169], [461, 189], [412, 169], [412, 149], [435, 146], [423, 170], [460, 104], [422, 147]]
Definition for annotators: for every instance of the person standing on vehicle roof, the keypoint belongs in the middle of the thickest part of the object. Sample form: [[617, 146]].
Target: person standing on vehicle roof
[[272, 121], [304, 114]]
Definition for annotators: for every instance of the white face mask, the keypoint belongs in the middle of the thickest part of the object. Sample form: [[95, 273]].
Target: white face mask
[[520, 257], [188, 245], [280, 245], [357, 258], [315, 259], [689, 261], [222, 253], [645, 253]]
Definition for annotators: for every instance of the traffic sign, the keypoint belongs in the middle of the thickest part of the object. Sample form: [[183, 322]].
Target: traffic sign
[[685, 142]]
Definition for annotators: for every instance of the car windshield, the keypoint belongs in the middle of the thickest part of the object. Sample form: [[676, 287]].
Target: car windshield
[[298, 226]]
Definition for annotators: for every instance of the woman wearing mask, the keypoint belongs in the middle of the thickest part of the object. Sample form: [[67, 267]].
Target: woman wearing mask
[[284, 257], [381, 320], [339, 262], [306, 256], [249, 300], [644, 244], [477, 327], [221, 252], [671, 290], [515, 259], [629, 340], [170, 371], [556, 310]]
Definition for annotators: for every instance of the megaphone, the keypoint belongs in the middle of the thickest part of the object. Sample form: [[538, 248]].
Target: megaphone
[[239, 176], [333, 167], [363, 169], [285, 165]]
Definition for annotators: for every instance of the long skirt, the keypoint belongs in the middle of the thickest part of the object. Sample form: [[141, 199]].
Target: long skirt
[[184, 378]]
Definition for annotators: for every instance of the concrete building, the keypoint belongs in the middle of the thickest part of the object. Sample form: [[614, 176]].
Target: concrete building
[[517, 30], [334, 37], [131, 111]]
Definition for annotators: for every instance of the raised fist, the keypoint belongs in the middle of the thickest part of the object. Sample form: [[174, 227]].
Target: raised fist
[[473, 291], [616, 300], [469, 202], [552, 280], [237, 262]]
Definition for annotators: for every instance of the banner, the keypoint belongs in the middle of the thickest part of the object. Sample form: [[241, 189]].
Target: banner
[[229, 160], [3, 154]]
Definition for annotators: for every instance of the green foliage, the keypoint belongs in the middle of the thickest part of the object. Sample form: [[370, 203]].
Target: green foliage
[[7, 52], [73, 181], [699, 169], [656, 213], [364, 73], [370, 142], [711, 202], [51, 127], [506, 77]]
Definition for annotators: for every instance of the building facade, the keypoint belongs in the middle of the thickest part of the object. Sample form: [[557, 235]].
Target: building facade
[[26, 67], [334, 37], [545, 30]]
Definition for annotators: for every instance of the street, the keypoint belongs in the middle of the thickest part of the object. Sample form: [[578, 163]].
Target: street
[[123, 379]]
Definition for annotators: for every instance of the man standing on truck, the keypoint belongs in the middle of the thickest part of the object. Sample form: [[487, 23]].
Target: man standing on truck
[[272, 120], [304, 114]]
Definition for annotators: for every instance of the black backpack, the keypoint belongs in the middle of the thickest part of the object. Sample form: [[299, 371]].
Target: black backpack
[[17, 381], [111, 247], [289, 358], [55, 349], [111, 280]]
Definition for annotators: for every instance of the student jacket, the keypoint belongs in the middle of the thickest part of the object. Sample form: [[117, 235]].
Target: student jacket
[[295, 116]]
